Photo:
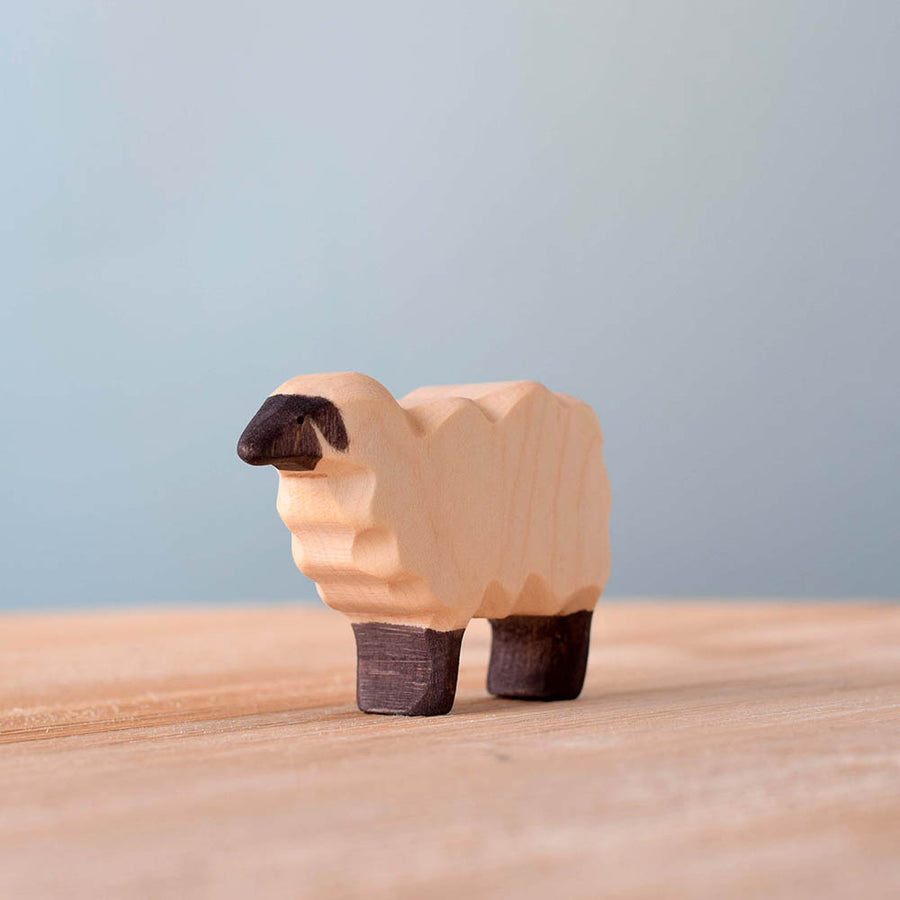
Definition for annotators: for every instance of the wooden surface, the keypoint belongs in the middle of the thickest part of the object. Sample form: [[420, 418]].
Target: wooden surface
[[717, 751]]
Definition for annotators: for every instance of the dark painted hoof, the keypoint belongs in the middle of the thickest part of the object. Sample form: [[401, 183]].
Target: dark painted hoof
[[402, 670], [539, 657]]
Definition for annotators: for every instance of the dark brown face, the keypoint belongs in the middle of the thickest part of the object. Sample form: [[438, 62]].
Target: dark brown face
[[283, 432]]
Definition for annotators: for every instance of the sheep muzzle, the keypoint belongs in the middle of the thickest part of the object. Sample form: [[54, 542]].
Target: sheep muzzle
[[285, 432]]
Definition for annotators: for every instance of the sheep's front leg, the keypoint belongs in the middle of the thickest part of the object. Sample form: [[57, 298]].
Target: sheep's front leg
[[402, 670], [539, 657]]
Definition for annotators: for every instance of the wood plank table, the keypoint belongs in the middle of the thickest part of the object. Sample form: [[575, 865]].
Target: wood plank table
[[719, 750]]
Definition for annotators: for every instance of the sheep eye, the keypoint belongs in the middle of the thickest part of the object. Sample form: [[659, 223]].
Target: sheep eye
[[301, 420]]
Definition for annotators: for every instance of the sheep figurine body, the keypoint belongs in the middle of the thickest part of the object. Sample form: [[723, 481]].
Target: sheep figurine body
[[413, 517]]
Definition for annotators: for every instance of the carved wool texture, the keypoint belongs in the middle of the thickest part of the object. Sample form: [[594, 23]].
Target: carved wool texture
[[457, 502]]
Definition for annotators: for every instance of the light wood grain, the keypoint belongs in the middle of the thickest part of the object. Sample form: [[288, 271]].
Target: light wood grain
[[734, 751], [469, 500]]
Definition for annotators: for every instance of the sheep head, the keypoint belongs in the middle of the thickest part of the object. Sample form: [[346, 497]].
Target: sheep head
[[319, 423]]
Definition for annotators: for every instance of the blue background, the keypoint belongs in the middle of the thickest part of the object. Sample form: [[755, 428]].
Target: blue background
[[684, 213]]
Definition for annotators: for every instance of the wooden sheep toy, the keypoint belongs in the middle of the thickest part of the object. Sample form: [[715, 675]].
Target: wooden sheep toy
[[412, 517]]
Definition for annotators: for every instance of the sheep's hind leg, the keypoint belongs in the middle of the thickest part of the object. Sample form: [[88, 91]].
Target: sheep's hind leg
[[402, 670], [539, 657]]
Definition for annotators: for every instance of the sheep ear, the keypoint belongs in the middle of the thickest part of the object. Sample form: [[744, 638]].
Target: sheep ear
[[330, 422]]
